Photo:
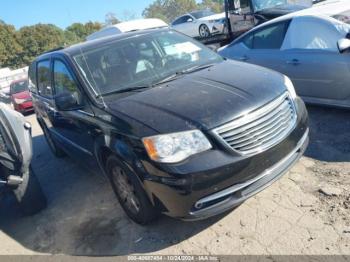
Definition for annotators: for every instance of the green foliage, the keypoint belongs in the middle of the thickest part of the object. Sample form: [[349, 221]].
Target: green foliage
[[39, 38], [168, 10], [81, 31], [9, 46], [216, 6], [111, 19], [19, 48]]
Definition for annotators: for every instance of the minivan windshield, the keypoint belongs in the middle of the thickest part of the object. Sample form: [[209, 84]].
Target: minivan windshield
[[19, 87], [141, 61]]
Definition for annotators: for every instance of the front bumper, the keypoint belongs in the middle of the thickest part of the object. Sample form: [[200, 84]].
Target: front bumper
[[24, 107], [236, 194], [217, 180]]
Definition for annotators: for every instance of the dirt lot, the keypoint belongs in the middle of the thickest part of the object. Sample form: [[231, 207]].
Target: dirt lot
[[305, 212]]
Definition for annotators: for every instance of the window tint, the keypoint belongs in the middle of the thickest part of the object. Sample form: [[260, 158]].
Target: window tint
[[44, 81], [270, 37], [32, 78], [181, 20], [63, 80]]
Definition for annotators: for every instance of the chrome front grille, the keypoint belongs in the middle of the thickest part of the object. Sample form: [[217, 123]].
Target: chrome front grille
[[261, 129]]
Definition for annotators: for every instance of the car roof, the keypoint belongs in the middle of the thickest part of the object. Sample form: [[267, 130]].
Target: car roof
[[323, 9], [78, 48]]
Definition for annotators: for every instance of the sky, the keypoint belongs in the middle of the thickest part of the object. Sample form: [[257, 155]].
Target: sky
[[65, 12]]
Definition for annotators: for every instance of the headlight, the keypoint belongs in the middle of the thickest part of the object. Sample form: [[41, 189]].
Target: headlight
[[288, 83], [173, 148], [20, 101]]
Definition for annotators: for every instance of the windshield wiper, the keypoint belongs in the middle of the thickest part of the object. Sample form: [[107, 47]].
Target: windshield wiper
[[179, 73], [125, 90], [165, 80]]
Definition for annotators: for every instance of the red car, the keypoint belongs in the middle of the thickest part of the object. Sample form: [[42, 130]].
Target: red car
[[20, 96]]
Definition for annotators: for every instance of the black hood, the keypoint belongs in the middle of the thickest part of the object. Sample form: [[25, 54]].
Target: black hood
[[204, 99], [277, 11]]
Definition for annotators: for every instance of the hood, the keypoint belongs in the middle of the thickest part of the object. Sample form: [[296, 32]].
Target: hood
[[279, 10], [213, 17], [203, 99], [22, 95]]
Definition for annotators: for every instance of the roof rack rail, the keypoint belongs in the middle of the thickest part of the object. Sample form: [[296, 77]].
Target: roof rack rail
[[55, 49]]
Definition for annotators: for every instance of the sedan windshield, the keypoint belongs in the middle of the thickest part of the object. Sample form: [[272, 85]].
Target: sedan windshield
[[259, 5], [19, 87], [204, 13], [343, 17], [141, 61]]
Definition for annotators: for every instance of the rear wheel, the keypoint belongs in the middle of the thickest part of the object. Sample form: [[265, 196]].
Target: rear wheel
[[29, 194], [55, 149], [130, 193], [204, 31]]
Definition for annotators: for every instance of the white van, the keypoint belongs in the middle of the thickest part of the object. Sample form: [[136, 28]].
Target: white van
[[134, 25]]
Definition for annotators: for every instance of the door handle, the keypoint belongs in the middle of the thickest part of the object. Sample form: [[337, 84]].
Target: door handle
[[243, 58], [293, 62]]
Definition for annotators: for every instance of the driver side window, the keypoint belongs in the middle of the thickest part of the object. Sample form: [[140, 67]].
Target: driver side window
[[63, 80]]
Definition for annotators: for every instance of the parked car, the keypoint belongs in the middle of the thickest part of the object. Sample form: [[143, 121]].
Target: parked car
[[20, 96], [176, 128], [16, 174], [124, 27], [5, 94], [200, 23], [310, 46]]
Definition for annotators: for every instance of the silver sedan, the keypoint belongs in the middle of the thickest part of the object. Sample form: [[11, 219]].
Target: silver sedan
[[309, 46]]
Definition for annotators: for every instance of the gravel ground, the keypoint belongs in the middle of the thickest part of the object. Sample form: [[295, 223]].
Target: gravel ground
[[305, 212]]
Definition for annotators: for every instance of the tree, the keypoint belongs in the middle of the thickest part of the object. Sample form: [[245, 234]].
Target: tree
[[216, 6], [38, 39], [168, 10], [9, 46], [81, 31], [111, 19]]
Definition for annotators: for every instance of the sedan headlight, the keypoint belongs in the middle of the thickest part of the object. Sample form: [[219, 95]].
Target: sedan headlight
[[288, 83], [175, 147], [20, 101]]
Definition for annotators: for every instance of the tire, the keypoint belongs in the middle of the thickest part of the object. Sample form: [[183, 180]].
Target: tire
[[204, 31], [135, 203], [29, 194], [55, 149]]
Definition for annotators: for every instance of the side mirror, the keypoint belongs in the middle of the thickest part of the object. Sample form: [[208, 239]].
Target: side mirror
[[189, 20], [343, 45], [67, 101]]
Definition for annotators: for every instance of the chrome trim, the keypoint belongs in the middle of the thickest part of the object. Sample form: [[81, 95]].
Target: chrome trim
[[237, 187], [260, 122], [86, 113], [71, 143]]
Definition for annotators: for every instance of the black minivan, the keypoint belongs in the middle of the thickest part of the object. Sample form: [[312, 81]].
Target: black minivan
[[176, 128]]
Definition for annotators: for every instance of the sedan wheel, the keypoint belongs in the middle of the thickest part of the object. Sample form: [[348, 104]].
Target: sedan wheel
[[204, 31]]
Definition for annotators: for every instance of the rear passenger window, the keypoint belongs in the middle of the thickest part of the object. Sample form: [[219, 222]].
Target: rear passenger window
[[32, 78], [44, 81], [63, 79]]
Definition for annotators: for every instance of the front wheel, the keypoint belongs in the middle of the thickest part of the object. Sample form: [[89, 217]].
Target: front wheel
[[29, 194], [204, 31], [130, 193]]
